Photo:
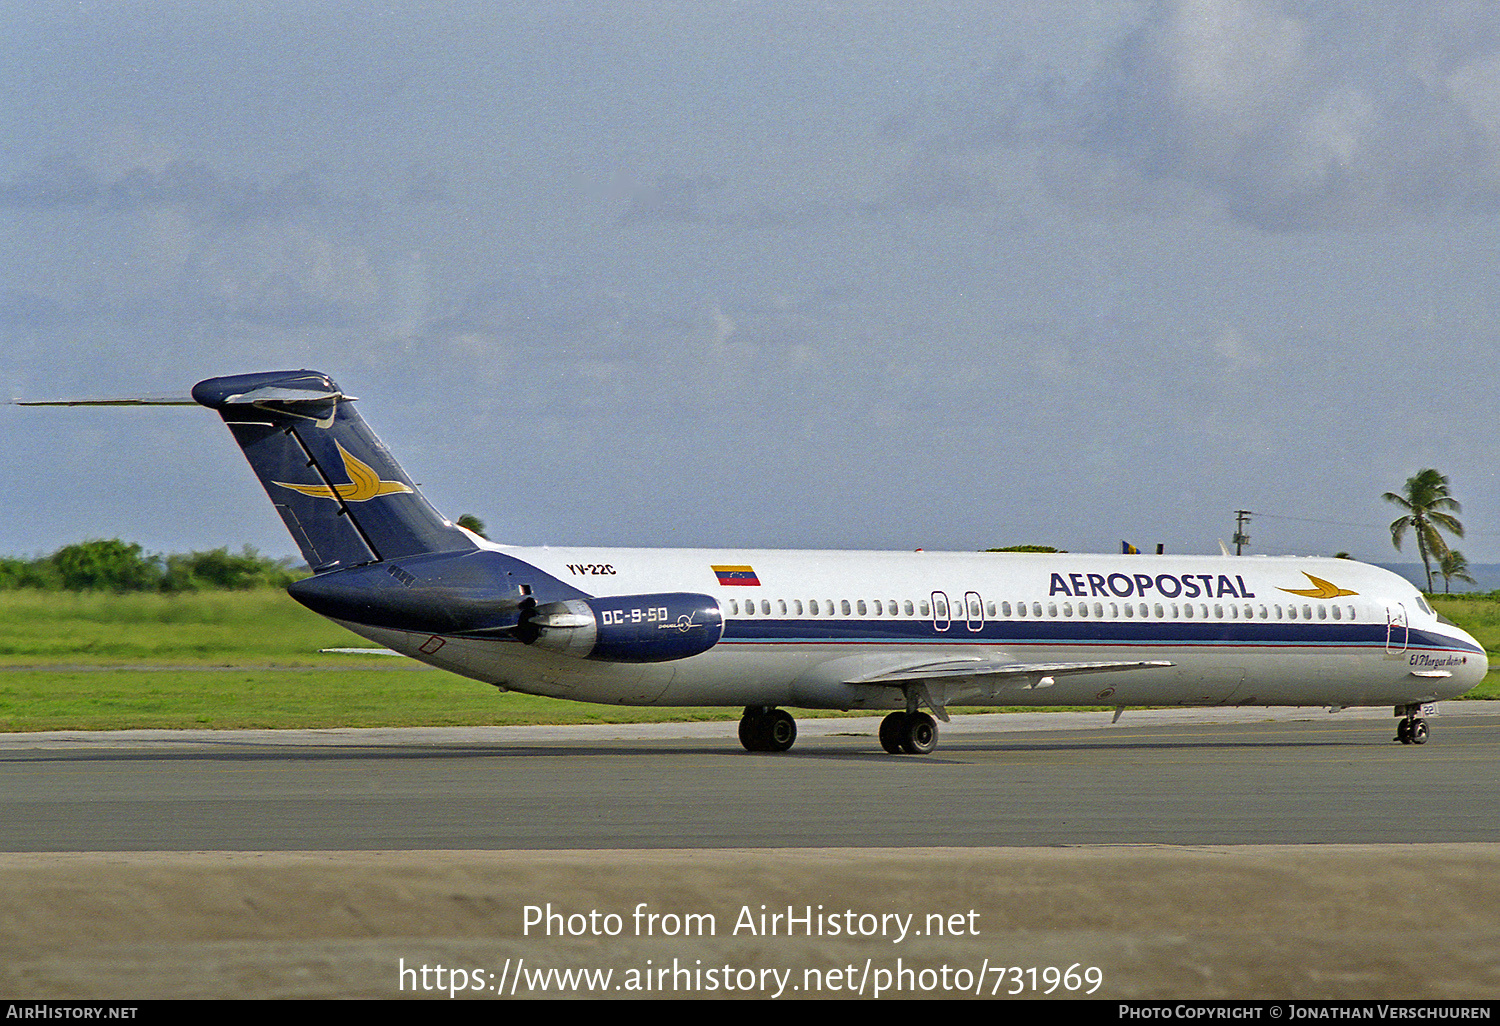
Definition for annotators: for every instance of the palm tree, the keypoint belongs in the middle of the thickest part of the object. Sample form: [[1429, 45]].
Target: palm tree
[[1425, 500], [1454, 567], [470, 522]]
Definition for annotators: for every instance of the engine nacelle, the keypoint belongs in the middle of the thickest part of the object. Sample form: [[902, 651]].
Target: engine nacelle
[[629, 628]]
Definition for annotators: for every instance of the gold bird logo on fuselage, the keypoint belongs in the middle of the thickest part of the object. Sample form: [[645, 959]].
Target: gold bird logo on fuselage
[[1324, 589], [364, 484]]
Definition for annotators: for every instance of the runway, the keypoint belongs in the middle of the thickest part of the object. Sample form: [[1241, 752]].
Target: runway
[[1189, 777], [1186, 854]]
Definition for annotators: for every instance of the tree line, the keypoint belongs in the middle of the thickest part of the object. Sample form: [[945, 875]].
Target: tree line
[[114, 565]]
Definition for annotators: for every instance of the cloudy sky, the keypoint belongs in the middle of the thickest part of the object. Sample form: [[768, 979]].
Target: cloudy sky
[[862, 275]]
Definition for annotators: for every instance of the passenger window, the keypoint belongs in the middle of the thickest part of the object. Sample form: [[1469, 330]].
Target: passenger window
[[797, 605], [925, 610], [1099, 609], [1036, 609], [812, 607], [1083, 609], [1187, 610], [1020, 609], [989, 610], [1307, 612], [1129, 610], [844, 606], [907, 606], [1160, 614], [734, 608], [1052, 609]]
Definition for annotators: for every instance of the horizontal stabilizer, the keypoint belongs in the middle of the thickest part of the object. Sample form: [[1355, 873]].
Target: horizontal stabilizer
[[274, 394], [182, 400]]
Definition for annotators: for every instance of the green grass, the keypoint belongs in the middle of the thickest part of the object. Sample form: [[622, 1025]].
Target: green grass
[[117, 699], [210, 628], [251, 659]]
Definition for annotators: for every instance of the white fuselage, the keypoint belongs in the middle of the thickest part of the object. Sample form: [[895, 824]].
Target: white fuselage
[[805, 628]]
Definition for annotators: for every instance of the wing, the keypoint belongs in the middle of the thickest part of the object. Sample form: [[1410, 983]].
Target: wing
[[976, 668]]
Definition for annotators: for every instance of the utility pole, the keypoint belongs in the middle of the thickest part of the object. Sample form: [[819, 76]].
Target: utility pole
[[1241, 521]]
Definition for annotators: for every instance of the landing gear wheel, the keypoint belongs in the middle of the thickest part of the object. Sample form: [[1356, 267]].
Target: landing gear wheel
[[1403, 732], [779, 731], [920, 736], [892, 728], [751, 729], [767, 730], [1418, 732]]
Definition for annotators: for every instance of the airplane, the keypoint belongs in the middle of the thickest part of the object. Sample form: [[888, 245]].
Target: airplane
[[916, 633]]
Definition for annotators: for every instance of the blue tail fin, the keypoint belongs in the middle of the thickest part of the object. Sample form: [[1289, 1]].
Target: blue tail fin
[[343, 497]]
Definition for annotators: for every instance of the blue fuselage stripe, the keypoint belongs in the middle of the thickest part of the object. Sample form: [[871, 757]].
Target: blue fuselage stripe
[[1112, 633]]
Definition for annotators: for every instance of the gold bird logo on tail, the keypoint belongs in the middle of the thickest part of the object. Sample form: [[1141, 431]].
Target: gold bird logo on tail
[[364, 484], [1324, 589]]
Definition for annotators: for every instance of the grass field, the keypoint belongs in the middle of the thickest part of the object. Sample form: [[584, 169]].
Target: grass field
[[97, 661]]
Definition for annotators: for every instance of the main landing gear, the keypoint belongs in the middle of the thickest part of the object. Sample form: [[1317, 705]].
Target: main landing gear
[[909, 733], [1412, 730], [764, 729]]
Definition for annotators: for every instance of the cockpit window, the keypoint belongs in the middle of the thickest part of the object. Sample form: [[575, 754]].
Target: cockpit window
[[1422, 605]]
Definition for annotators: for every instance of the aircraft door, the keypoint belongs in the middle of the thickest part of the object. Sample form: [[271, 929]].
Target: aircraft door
[[975, 610], [1396, 631], [941, 618]]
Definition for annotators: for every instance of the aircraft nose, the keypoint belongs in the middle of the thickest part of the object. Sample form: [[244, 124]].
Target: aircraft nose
[[1477, 663]]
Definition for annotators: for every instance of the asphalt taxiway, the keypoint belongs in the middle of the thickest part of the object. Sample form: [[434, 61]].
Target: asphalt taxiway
[[1173, 777]]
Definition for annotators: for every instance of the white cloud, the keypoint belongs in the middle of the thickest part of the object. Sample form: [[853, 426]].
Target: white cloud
[[1299, 115]]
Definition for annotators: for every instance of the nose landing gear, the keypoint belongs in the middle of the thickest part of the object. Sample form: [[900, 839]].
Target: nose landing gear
[[1412, 730]]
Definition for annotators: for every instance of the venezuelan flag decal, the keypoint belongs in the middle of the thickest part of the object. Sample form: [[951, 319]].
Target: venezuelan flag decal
[[736, 576]]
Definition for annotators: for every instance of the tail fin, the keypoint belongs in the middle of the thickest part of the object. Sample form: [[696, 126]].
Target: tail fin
[[343, 497]]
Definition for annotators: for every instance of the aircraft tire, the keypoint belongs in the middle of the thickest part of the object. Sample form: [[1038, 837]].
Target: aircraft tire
[[1403, 732], [891, 730], [753, 732], [778, 730], [920, 735], [1419, 732]]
